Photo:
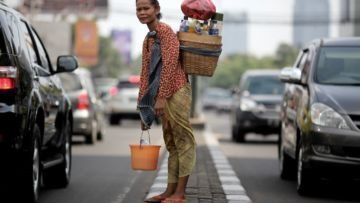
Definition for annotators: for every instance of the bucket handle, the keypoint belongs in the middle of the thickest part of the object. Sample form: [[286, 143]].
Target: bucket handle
[[142, 135]]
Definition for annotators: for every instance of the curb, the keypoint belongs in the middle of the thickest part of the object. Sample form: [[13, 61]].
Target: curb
[[231, 184]]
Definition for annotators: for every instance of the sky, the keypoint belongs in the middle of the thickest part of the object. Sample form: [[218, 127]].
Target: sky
[[263, 38]]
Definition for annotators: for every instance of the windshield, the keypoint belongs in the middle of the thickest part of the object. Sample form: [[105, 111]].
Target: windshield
[[338, 66], [217, 93], [269, 85]]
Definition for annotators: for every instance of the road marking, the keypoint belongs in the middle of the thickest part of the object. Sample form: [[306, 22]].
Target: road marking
[[160, 182], [230, 183]]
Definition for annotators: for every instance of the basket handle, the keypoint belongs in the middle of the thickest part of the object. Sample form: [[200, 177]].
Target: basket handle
[[142, 135], [203, 52]]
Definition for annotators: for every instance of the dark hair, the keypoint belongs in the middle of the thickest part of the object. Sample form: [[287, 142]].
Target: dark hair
[[156, 4]]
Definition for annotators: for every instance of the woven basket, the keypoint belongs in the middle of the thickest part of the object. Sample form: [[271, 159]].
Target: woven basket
[[199, 53]]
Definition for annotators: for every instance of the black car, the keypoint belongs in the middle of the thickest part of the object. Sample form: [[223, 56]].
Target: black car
[[35, 114], [256, 106], [320, 136]]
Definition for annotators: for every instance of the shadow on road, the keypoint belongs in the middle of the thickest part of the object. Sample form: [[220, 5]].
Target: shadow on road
[[259, 142]]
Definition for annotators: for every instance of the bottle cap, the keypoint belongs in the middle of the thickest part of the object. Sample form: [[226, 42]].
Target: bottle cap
[[218, 16]]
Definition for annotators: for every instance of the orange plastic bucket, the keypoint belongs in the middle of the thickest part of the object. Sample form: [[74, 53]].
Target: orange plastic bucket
[[144, 157]]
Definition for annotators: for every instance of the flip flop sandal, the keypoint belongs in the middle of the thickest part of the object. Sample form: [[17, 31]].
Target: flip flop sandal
[[155, 199], [174, 200]]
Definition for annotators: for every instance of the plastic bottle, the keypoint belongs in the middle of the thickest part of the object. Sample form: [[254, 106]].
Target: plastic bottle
[[184, 26], [198, 27], [216, 24], [213, 30], [192, 25], [205, 28]]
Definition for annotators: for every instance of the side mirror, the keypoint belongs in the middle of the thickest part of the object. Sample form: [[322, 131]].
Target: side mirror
[[290, 75], [66, 64]]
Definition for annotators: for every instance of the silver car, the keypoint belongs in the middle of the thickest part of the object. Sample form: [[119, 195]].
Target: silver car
[[87, 108], [122, 101]]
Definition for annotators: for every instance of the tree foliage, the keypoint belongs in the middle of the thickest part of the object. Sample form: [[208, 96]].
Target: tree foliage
[[110, 64]]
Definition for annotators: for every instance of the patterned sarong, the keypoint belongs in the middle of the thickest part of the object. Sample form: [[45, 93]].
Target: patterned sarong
[[178, 135]]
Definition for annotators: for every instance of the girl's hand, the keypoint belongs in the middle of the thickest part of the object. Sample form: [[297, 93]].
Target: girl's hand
[[159, 107], [143, 127]]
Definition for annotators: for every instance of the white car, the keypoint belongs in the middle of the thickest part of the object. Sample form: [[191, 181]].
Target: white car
[[122, 100]]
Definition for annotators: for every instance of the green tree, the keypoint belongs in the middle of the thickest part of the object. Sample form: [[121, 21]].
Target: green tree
[[285, 55], [110, 64]]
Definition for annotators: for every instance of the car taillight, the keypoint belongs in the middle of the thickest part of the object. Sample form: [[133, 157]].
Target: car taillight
[[113, 91], [83, 101], [7, 77]]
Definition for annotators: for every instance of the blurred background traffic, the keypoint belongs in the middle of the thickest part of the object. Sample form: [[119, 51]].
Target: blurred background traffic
[[244, 103], [107, 39]]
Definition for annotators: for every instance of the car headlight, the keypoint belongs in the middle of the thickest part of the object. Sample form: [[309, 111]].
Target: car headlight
[[247, 104], [323, 115]]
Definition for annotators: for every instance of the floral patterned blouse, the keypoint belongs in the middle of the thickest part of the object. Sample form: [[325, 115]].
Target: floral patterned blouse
[[172, 76]]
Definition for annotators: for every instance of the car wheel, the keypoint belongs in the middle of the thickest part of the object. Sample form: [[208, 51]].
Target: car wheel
[[234, 133], [90, 139], [32, 172], [114, 120], [59, 176], [287, 165], [304, 177], [240, 137]]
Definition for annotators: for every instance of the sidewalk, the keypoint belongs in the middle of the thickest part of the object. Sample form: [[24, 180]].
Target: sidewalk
[[205, 185]]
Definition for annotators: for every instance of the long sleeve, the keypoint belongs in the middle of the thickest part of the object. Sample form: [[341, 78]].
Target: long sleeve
[[144, 69], [170, 59]]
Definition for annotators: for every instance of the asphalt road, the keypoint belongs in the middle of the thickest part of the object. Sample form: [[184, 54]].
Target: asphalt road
[[101, 173], [256, 164]]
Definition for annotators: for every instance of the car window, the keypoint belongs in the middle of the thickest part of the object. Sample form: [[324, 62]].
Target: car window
[[42, 53], [70, 82], [4, 58], [338, 66], [256, 85], [28, 41], [303, 61], [12, 31]]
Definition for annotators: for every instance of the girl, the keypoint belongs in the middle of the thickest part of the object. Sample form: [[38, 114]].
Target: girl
[[164, 87]]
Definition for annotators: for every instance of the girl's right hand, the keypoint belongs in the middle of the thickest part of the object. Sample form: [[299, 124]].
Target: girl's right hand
[[143, 127]]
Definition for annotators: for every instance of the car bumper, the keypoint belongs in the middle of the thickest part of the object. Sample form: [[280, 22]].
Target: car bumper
[[264, 123], [82, 124], [333, 152]]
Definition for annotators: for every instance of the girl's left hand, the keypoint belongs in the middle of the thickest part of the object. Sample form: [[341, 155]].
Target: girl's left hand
[[159, 107]]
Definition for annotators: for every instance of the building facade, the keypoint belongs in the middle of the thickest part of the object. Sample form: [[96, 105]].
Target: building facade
[[311, 20], [349, 18], [235, 35]]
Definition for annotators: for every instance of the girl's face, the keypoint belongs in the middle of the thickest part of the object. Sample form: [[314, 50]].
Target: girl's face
[[146, 12]]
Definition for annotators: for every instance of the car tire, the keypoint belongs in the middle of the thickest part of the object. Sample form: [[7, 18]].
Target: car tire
[[100, 136], [114, 120], [240, 136], [59, 176], [31, 175], [287, 165], [91, 138], [304, 183], [233, 133]]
